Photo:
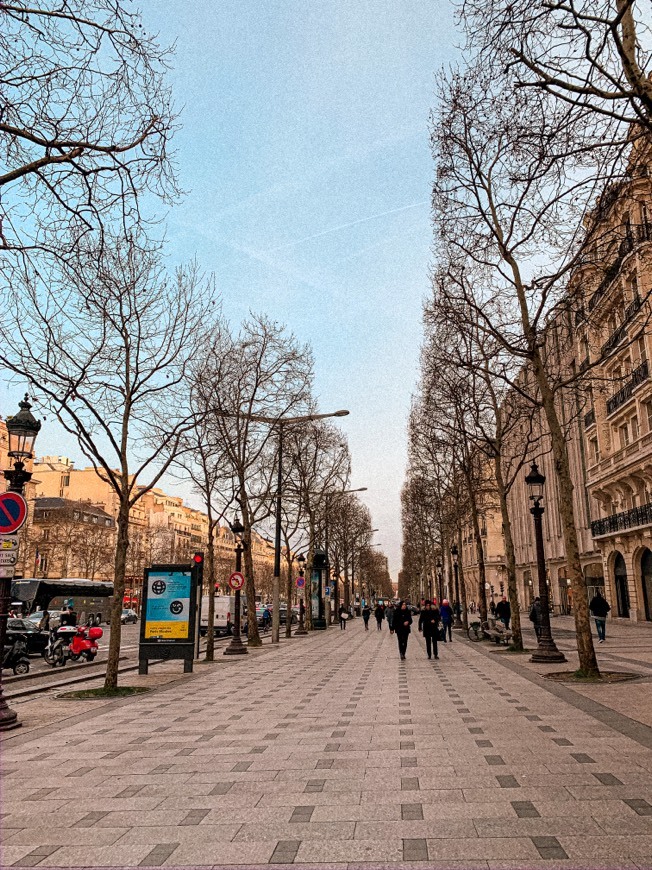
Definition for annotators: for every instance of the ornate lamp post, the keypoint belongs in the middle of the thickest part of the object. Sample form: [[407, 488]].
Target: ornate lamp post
[[301, 559], [440, 591], [22, 430], [456, 604], [546, 649], [236, 647]]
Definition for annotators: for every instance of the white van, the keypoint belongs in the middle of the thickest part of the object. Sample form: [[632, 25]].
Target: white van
[[224, 614]]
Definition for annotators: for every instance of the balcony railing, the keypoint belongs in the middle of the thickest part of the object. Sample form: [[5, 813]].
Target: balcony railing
[[638, 516], [589, 419], [639, 233], [618, 334], [637, 377]]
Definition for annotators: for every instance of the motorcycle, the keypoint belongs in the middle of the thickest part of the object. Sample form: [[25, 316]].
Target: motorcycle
[[15, 657], [74, 643]]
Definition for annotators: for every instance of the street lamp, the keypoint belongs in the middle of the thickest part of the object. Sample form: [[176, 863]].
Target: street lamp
[[546, 649], [236, 647], [456, 605], [301, 559], [439, 579], [22, 430]]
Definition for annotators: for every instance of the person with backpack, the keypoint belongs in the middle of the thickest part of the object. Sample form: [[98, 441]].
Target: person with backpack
[[536, 616], [599, 608]]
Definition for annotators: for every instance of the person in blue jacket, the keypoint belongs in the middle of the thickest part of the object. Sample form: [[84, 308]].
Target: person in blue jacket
[[446, 614]]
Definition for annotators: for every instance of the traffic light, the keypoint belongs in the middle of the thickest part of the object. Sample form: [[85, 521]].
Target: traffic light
[[198, 568]]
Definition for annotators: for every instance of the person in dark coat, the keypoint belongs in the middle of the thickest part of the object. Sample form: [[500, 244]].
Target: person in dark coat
[[402, 623], [536, 616], [504, 611], [599, 608], [446, 614], [429, 625], [389, 613], [379, 613], [344, 615], [366, 613]]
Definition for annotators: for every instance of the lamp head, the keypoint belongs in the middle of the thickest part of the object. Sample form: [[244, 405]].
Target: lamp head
[[237, 528], [535, 481], [22, 429]]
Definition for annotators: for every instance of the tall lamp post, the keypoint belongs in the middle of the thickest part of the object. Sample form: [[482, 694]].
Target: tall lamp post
[[282, 422], [440, 590], [22, 430], [236, 647], [456, 604], [301, 559], [546, 650]]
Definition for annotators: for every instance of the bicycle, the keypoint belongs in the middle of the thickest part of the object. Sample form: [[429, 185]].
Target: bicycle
[[478, 630]]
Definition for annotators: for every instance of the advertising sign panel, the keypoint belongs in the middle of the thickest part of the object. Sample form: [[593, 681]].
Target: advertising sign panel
[[167, 614], [314, 592]]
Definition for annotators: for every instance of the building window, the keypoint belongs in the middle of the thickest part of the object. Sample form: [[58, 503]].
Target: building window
[[634, 422], [624, 435], [647, 411], [66, 480], [594, 451], [45, 535]]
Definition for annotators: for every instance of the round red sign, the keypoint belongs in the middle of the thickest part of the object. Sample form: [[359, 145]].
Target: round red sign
[[236, 580]]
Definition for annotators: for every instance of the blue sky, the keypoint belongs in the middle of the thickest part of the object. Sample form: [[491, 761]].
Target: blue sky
[[304, 153]]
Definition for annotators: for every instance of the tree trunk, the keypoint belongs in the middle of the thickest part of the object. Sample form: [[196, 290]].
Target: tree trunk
[[210, 573], [289, 587], [510, 556], [121, 547], [460, 568], [586, 651], [482, 572], [253, 635]]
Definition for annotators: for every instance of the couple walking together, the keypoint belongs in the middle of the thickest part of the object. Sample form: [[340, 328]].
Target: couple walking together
[[429, 624]]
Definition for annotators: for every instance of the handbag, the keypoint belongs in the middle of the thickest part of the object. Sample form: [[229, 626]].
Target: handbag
[[344, 616]]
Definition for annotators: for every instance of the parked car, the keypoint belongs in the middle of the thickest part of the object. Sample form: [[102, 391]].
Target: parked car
[[128, 615], [36, 640]]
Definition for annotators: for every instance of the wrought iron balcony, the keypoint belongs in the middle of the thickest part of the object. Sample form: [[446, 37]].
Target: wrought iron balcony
[[638, 516], [618, 334], [637, 377], [589, 419], [639, 233]]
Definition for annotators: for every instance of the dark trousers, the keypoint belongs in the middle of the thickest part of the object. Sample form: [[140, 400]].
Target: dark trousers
[[366, 623], [431, 644], [402, 643], [379, 623], [448, 630], [342, 623]]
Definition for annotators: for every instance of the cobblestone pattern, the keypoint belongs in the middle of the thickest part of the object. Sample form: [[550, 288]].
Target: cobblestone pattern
[[329, 750]]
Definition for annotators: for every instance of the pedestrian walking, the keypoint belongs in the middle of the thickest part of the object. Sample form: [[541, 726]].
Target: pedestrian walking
[[504, 611], [402, 623], [492, 607], [344, 615], [366, 613], [429, 619], [599, 608], [446, 614], [267, 618], [536, 616], [389, 614], [379, 613]]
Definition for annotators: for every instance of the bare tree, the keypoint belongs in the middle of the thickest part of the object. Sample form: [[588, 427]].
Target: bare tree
[[262, 372], [593, 55], [106, 349], [85, 125]]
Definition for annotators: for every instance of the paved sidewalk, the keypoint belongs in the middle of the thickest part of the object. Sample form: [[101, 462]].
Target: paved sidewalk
[[331, 751]]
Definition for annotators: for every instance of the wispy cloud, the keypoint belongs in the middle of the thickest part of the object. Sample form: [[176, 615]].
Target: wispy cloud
[[344, 226]]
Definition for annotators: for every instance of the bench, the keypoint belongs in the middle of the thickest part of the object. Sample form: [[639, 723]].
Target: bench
[[498, 633]]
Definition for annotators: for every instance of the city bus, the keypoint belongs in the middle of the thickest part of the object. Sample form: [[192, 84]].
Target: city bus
[[93, 598]]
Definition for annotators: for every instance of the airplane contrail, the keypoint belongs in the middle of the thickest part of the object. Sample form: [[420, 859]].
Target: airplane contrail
[[345, 226]]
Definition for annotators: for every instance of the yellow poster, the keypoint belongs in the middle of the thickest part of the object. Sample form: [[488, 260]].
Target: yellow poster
[[172, 630]]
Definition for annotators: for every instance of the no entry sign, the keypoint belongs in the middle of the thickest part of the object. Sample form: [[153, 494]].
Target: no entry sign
[[236, 580], [13, 512]]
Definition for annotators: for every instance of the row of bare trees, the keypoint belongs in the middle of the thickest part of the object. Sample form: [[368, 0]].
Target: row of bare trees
[[528, 136], [139, 364]]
